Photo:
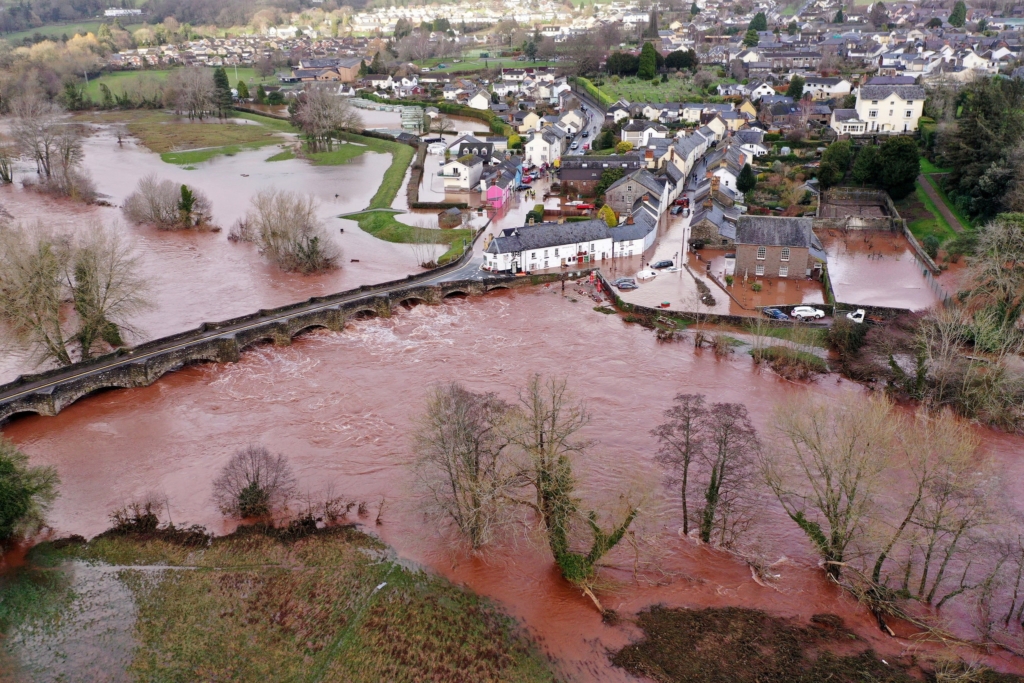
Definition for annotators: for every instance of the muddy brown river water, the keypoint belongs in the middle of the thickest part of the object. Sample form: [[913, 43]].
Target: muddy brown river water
[[342, 405]]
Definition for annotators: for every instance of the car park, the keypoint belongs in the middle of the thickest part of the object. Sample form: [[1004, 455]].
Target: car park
[[775, 314], [667, 263], [807, 313]]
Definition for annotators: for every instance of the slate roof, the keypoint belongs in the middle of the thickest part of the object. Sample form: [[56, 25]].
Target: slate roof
[[775, 231], [642, 177], [544, 235], [880, 92]]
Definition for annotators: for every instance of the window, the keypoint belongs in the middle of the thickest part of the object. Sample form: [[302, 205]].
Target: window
[[910, 102], [762, 253], [909, 113], [533, 255], [890, 112], [785, 254], [759, 270], [556, 252], [873, 113], [874, 101], [783, 271], [545, 253], [591, 247]]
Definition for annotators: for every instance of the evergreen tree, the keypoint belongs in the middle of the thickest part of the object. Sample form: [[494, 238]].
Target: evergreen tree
[[959, 15], [652, 25], [378, 66], [865, 167], [222, 92], [648, 63], [792, 28], [879, 16], [840, 17], [261, 94], [796, 88], [746, 181], [751, 39], [828, 174], [694, 10], [243, 90], [900, 163], [759, 22]]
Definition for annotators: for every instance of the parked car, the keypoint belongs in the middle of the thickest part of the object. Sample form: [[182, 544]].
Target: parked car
[[775, 314], [522, 187], [647, 274], [856, 316], [527, 180], [442, 66], [807, 312], [627, 284], [574, 145], [667, 263], [676, 210], [586, 146], [586, 133]]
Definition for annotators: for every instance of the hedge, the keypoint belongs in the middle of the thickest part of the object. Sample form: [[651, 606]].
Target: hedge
[[601, 96]]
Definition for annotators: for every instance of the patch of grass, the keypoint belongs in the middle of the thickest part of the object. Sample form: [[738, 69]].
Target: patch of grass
[[605, 309], [383, 225], [928, 167], [737, 645], [401, 157], [267, 121], [282, 156], [923, 218], [55, 31], [341, 154], [800, 335], [675, 90], [196, 156], [321, 606], [120, 80], [163, 132], [790, 362]]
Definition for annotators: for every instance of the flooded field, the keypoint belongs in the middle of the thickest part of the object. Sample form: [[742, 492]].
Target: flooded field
[[342, 406]]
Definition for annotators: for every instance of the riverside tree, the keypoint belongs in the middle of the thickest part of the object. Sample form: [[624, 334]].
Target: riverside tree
[[166, 205], [55, 144], [194, 92], [322, 117], [254, 483], [26, 493], [41, 270], [222, 92], [463, 460], [286, 228]]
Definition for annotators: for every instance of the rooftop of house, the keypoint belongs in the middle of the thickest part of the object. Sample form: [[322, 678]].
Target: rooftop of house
[[880, 92], [544, 235], [775, 231]]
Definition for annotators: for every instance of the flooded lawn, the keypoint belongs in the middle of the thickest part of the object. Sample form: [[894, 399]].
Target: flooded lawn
[[876, 269]]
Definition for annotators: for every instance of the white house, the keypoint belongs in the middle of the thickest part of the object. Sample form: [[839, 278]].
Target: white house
[[548, 245], [758, 89], [827, 88], [639, 132], [462, 174], [846, 122], [481, 100], [890, 108], [544, 147]]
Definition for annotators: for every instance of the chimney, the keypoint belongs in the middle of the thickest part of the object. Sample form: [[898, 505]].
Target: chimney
[[629, 219], [708, 203], [649, 154]]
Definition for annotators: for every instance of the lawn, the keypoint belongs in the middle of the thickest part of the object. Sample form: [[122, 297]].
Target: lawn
[[964, 220], [471, 61], [179, 141], [56, 31], [636, 90], [118, 81], [282, 156], [383, 225], [262, 605], [928, 167], [923, 218]]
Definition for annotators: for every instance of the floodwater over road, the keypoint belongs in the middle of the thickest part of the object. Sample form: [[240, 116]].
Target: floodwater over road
[[342, 406]]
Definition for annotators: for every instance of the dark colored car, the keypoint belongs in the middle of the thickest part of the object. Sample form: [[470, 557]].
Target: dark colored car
[[662, 264], [627, 285], [586, 133], [775, 314], [676, 210]]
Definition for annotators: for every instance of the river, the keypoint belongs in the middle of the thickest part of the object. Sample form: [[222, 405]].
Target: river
[[342, 405]]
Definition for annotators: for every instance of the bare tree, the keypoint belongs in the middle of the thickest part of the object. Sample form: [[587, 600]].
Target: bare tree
[[41, 270], [322, 116], [681, 438], [549, 422], [36, 128], [826, 467], [254, 483], [464, 460], [193, 91], [727, 469], [166, 205], [286, 228]]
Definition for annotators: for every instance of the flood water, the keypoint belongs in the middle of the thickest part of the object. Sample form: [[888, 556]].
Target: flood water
[[342, 406]]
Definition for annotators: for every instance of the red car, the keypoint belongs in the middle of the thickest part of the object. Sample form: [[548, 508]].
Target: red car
[[527, 180]]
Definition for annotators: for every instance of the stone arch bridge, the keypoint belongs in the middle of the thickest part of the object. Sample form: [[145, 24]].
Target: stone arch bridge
[[50, 392]]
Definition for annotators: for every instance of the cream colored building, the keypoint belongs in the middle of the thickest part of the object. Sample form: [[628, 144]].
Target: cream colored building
[[890, 108]]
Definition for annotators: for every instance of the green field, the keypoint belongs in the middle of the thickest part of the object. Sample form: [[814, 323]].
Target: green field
[[675, 90], [383, 225], [472, 61], [119, 80], [58, 30], [259, 605], [928, 167]]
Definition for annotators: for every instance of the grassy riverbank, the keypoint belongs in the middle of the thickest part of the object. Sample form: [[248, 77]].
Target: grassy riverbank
[[383, 225], [263, 606], [401, 157]]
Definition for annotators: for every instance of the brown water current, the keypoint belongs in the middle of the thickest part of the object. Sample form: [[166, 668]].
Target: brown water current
[[342, 406]]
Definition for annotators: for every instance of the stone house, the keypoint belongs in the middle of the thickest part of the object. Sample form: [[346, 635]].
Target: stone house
[[625, 191], [777, 247]]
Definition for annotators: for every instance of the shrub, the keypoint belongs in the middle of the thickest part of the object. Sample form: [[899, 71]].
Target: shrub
[[254, 483], [166, 205], [286, 228], [930, 244], [25, 493], [756, 286]]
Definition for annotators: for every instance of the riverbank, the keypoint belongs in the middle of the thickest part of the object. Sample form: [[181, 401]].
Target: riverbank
[[260, 604]]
